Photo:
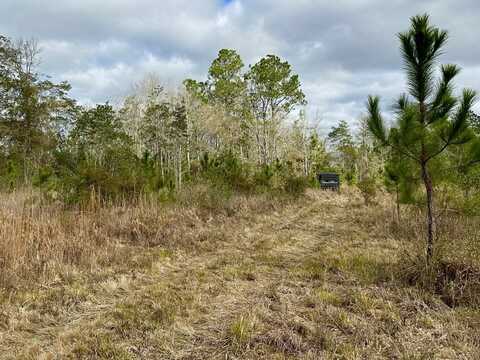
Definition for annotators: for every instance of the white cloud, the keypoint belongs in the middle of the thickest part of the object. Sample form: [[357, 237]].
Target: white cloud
[[113, 81], [343, 50]]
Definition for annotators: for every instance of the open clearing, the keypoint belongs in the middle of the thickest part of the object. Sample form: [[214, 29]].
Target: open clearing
[[306, 279]]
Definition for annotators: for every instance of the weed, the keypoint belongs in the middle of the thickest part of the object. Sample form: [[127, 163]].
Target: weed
[[241, 330]]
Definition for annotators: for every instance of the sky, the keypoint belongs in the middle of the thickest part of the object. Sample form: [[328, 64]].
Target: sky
[[343, 50]]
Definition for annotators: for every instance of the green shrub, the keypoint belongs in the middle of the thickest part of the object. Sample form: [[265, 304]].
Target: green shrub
[[73, 177], [10, 173], [471, 206], [227, 170], [295, 185], [264, 176], [368, 188]]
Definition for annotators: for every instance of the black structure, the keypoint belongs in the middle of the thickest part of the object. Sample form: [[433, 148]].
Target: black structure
[[330, 181]]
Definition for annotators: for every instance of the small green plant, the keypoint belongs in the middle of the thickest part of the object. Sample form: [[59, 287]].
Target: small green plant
[[241, 330], [368, 188], [328, 297]]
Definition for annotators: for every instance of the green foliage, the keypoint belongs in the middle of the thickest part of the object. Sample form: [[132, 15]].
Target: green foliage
[[98, 130], [401, 176], [319, 158], [368, 188], [295, 185], [273, 87], [340, 136], [35, 112], [196, 89], [97, 157], [227, 169], [225, 83], [73, 177], [264, 176], [346, 157], [432, 119], [471, 205], [425, 128], [152, 144], [375, 122]]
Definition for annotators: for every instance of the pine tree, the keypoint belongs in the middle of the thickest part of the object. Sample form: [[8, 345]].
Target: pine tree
[[432, 118]]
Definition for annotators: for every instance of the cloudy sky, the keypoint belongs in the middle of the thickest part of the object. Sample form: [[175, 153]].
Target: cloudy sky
[[342, 49]]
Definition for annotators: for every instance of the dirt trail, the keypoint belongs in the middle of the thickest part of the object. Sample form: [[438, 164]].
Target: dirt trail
[[301, 281]]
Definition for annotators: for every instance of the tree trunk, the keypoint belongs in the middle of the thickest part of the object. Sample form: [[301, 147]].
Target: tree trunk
[[162, 165], [430, 224], [180, 168], [398, 205]]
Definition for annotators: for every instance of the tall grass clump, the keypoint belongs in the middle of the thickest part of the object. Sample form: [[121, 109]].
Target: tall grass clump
[[454, 272]]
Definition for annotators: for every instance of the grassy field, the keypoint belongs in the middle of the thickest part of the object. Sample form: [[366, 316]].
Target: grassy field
[[255, 278]]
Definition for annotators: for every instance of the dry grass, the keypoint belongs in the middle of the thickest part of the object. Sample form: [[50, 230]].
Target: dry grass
[[454, 274], [250, 278], [43, 242]]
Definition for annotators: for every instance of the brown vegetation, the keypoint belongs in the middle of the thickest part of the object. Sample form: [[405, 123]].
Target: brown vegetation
[[251, 277]]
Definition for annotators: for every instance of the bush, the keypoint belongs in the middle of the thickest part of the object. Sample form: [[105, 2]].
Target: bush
[[73, 177], [471, 206], [227, 169], [368, 188], [10, 173], [263, 178], [295, 185]]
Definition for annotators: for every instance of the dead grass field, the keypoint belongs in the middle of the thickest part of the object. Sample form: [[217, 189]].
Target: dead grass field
[[256, 279]]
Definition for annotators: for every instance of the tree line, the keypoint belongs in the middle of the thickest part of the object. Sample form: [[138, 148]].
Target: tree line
[[234, 126], [244, 128]]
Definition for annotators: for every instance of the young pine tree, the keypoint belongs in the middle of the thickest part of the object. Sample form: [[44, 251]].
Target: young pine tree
[[431, 118]]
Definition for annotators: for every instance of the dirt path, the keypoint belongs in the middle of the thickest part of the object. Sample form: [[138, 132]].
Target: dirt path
[[306, 280]]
